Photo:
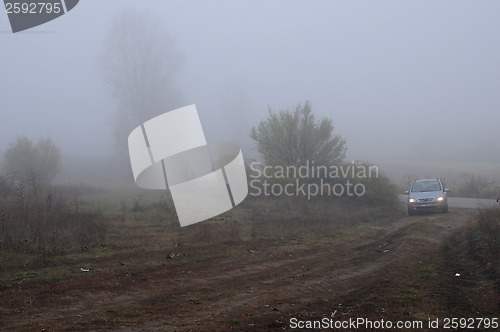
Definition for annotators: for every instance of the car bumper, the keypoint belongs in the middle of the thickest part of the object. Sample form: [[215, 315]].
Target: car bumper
[[434, 206]]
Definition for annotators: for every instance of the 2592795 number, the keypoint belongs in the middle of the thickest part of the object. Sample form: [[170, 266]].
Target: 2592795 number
[[470, 323], [32, 8]]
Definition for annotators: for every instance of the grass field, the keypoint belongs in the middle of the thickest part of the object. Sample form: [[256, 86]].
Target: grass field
[[256, 267], [139, 224]]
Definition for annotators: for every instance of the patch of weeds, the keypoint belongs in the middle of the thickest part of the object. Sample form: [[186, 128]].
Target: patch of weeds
[[409, 294], [487, 232], [234, 321], [42, 275], [412, 293], [405, 311], [195, 301], [427, 272]]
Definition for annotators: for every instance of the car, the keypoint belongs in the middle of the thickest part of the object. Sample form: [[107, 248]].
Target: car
[[427, 195]]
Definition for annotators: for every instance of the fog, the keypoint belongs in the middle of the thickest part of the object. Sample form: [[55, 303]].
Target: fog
[[407, 83]]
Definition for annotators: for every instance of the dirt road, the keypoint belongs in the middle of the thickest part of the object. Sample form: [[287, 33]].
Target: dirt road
[[261, 286]]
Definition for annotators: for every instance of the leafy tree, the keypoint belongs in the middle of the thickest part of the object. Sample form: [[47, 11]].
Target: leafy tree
[[139, 63], [28, 161], [294, 137]]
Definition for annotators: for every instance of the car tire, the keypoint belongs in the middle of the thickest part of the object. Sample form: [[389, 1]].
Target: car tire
[[411, 212], [445, 210]]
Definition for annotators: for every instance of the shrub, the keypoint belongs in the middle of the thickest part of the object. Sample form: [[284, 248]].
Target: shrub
[[45, 222], [477, 187]]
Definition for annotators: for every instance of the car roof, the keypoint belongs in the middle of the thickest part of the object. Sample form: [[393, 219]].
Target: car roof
[[435, 179]]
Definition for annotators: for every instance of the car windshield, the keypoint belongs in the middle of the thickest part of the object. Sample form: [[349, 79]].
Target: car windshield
[[423, 186]]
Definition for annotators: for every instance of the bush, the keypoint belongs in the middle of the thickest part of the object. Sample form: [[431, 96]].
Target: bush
[[355, 183], [294, 136], [43, 221], [477, 187]]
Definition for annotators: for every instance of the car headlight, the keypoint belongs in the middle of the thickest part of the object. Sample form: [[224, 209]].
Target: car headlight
[[439, 199], [412, 200]]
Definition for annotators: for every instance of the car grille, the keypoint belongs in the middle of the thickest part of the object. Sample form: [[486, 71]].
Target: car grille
[[425, 200]]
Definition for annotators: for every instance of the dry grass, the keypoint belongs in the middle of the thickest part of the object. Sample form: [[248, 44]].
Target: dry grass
[[56, 229], [41, 222], [487, 233], [46, 232]]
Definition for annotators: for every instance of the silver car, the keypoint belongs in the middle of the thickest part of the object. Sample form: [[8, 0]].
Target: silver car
[[427, 195]]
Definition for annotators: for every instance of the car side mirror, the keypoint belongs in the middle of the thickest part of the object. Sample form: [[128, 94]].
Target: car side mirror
[[407, 192], [446, 190]]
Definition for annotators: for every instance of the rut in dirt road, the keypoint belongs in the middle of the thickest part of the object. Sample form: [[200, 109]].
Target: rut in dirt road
[[262, 290]]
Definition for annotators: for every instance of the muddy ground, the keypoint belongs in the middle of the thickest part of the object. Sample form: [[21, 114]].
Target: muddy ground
[[404, 269]]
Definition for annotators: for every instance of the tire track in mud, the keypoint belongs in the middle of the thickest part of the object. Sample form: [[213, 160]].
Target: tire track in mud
[[264, 286], [271, 282], [356, 265]]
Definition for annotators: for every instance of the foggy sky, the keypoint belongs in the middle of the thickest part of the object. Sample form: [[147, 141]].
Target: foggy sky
[[402, 80]]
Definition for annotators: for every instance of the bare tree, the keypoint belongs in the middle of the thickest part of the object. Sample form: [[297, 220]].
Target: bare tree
[[139, 65], [294, 137]]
